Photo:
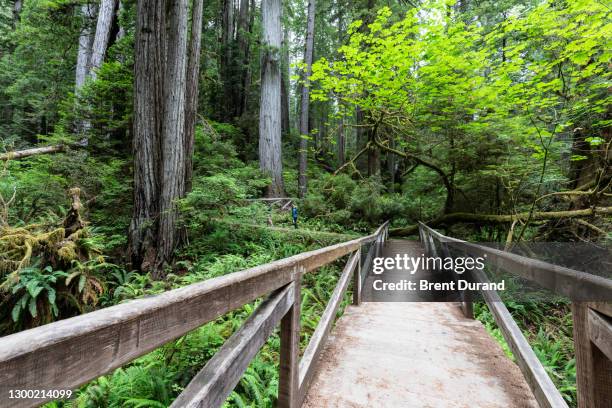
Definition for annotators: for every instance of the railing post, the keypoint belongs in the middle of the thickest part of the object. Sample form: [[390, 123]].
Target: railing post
[[289, 385], [466, 295], [433, 251], [467, 299], [357, 280], [593, 381]]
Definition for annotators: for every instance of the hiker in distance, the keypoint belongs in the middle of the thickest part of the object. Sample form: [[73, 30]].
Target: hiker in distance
[[294, 214]]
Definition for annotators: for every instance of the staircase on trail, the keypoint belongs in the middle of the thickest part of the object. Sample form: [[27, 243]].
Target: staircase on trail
[[397, 349]]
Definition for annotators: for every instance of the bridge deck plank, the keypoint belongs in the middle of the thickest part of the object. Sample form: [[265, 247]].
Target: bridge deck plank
[[414, 354]]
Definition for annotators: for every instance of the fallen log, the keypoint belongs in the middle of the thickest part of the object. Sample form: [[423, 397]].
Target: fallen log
[[20, 154], [500, 218]]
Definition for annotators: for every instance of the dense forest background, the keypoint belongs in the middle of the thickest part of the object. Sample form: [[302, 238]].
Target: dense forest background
[[134, 136]]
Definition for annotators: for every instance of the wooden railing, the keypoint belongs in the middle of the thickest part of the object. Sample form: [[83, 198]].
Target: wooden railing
[[591, 313], [69, 353]]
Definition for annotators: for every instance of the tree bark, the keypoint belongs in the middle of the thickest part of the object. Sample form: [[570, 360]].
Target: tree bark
[[285, 126], [248, 73], [160, 74], [191, 98], [305, 101], [341, 143], [228, 65], [86, 38], [103, 31], [391, 166], [373, 159], [17, 6], [270, 157], [173, 133], [242, 38], [361, 137], [121, 31], [148, 97]]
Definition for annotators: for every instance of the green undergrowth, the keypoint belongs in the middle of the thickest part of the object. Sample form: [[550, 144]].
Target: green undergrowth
[[155, 379]]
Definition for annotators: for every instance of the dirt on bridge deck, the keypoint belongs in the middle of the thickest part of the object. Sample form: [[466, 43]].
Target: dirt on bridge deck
[[414, 354]]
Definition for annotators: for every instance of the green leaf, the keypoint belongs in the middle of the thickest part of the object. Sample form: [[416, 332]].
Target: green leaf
[[51, 295], [71, 276], [32, 307], [33, 288], [16, 312], [82, 281], [594, 141]]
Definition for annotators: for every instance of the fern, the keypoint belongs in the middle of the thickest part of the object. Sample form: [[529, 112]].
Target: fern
[[142, 402]]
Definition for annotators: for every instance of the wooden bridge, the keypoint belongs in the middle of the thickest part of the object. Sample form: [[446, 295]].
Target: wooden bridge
[[380, 354]]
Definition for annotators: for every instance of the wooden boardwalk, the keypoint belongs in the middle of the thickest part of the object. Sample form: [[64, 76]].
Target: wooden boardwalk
[[414, 354], [394, 349]]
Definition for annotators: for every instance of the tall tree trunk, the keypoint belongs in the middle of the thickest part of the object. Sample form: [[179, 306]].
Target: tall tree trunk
[[305, 101], [17, 6], [270, 157], [341, 143], [227, 61], [121, 31], [373, 156], [391, 166], [103, 31], [246, 80], [242, 38], [83, 68], [88, 12], [361, 137], [173, 133], [148, 96], [285, 85], [191, 98]]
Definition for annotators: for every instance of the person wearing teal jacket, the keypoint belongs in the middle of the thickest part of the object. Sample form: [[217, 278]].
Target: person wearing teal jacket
[[294, 214]]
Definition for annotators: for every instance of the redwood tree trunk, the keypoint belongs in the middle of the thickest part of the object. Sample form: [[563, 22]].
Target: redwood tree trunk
[[88, 12], [305, 101], [191, 98], [270, 158], [285, 126], [160, 71], [148, 95], [227, 61], [246, 73], [242, 38], [103, 31], [173, 133]]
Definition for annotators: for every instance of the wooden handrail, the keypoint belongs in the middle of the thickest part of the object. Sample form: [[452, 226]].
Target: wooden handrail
[[319, 337], [71, 352], [540, 383], [211, 386], [577, 285], [591, 313]]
